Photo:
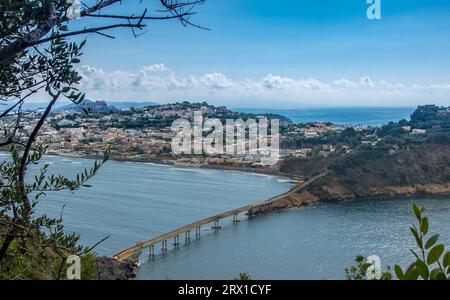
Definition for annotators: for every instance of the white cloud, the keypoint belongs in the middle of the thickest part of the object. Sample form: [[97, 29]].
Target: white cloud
[[216, 81], [366, 81], [158, 83], [155, 68], [344, 83], [277, 82]]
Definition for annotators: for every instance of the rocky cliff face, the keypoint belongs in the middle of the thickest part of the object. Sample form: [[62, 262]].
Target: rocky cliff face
[[334, 190], [421, 170], [110, 269]]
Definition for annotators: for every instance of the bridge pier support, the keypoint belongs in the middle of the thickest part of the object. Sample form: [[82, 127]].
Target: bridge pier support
[[164, 247], [235, 219], [197, 232], [187, 237], [216, 225], [152, 252], [176, 241]]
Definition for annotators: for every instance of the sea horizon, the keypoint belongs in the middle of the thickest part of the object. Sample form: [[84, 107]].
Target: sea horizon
[[338, 114], [365, 116]]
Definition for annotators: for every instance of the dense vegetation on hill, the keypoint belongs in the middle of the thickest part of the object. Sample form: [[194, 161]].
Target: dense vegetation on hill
[[405, 160], [427, 123]]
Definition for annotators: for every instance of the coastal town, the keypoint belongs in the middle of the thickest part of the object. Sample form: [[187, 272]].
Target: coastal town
[[224, 148], [145, 134]]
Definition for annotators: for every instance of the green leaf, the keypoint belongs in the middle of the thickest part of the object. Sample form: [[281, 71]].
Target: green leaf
[[399, 272], [417, 237], [423, 269], [412, 273], [437, 274], [447, 260], [424, 226], [417, 212], [431, 241], [435, 254]]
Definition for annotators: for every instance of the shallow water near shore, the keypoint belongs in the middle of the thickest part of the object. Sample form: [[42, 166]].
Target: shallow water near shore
[[133, 202]]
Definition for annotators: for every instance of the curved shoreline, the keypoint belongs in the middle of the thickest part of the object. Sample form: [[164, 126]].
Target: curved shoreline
[[162, 162]]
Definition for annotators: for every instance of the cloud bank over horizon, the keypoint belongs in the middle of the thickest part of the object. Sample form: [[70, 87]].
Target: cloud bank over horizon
[[161, 84]]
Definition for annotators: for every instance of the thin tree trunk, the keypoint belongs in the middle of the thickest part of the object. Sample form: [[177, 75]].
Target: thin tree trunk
[[12, 232], [10, 237], [26, 153]]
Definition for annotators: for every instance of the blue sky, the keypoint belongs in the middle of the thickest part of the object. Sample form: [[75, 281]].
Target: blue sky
[[275, 53]]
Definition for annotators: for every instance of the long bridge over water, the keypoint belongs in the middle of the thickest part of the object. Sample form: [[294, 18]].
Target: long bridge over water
[[134, 252]]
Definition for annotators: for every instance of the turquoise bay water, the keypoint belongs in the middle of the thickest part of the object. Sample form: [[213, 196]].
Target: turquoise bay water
[[133, 202], [367, 116]]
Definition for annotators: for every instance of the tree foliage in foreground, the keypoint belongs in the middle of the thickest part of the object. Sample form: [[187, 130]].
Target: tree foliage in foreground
[[36, 246], [37, 57], [431, 261], [243, 276]]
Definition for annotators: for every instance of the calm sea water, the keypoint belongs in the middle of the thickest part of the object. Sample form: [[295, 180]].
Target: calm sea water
[[132, 202], [316, 242], [367, 116]]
